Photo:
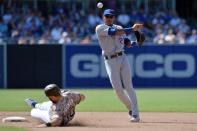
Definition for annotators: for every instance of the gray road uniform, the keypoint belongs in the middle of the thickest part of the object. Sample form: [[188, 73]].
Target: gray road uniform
[[117, 66], [59, 113]]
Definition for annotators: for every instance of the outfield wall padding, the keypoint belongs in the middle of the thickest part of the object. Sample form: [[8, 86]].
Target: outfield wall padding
[[33, 66]]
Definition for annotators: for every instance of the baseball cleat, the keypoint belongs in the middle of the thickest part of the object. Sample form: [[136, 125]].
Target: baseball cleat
[[30, 102], [133, 118]]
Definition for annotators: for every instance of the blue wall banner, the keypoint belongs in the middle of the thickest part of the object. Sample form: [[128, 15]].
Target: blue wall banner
[[152, 66], [1, 66], [85, 67]]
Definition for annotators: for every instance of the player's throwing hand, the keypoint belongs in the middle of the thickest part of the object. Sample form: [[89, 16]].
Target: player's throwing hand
[[137, 27]]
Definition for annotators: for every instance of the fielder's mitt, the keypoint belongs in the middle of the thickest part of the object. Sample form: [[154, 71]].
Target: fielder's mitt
[[140, 37]]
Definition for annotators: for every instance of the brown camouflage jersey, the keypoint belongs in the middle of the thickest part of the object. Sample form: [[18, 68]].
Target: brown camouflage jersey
[[63, 111]]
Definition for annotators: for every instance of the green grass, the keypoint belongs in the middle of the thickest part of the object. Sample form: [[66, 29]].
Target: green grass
[[101, 100], [8, 128]]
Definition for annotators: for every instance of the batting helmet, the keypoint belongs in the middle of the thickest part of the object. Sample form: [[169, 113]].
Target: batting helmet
[[52, 90]]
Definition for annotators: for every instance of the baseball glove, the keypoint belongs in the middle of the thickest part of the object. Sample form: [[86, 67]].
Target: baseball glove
[[140, 37], [127, 42]]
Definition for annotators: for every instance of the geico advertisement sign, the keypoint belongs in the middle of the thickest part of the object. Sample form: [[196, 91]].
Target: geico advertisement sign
[[92, 65]]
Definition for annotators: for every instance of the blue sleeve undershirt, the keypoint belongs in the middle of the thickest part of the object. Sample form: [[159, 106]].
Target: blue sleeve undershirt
[[112, 31], [128, 30]]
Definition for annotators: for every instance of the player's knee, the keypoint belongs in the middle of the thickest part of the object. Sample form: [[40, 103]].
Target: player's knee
[[34, 113], [119, 92]]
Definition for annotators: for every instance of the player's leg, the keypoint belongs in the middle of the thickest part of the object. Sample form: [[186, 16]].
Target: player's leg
[[113, 71], [128, 85], [42, 115], [34, 104], [40, 111], [44, 106]]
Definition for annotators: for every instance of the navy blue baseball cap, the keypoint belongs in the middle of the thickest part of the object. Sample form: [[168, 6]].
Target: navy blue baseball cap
[[109, 12]]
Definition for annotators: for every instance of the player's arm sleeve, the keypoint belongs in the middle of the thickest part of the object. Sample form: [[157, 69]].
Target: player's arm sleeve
[[119, 31], [112, 31], [128, 30], [102, 30], [116, 31], [123, 31], [76, 97]]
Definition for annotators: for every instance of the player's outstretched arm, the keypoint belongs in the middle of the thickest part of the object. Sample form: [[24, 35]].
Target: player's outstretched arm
[[122, 31]]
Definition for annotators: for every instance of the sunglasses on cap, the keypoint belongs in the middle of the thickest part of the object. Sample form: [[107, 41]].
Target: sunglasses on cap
[[109, 16]]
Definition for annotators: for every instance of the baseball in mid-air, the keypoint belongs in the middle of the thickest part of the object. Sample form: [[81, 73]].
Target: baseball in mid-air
[[100, 5]]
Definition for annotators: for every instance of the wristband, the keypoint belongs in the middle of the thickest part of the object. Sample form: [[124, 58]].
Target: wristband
[[128, 30]]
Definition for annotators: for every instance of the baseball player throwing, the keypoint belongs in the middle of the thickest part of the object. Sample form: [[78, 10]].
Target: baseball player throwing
[[112, 39], [59, 110]]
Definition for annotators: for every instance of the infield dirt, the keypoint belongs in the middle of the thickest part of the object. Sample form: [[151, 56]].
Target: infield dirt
[[113, 121]]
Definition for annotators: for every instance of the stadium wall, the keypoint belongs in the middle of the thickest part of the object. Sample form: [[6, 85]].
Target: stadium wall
[[77, 66], [33, 66]]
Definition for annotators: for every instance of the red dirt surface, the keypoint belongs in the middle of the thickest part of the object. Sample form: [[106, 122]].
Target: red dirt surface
[[113, 121]]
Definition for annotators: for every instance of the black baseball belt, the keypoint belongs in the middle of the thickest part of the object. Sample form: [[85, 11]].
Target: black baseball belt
[[113, 55]]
